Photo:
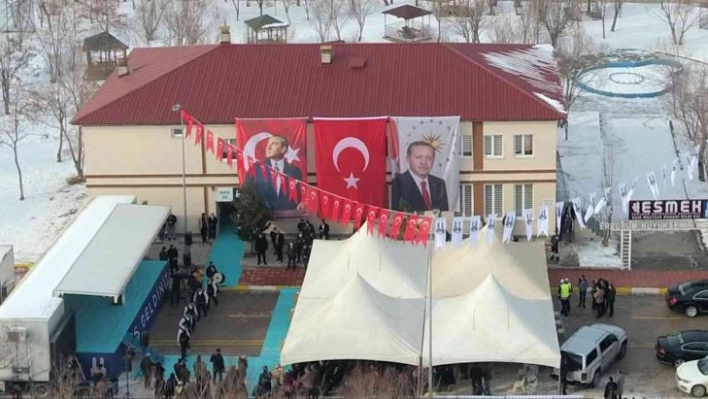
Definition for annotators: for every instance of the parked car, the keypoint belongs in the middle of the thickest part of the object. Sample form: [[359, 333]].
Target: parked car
[[692, 377], [682, 347], [592, 350], [689, 298]]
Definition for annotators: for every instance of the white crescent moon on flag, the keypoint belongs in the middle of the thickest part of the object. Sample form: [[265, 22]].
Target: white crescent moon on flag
[[350, 142], [249, 150]]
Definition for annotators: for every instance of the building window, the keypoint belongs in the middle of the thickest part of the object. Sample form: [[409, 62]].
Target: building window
[[177, 132], [493, 146], [493, 199], [225, 154], [466, 199], [466, 145], [523, 145], [524, 198]]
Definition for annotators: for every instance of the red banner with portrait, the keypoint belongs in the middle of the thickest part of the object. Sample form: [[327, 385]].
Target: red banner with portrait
[[281, 145]]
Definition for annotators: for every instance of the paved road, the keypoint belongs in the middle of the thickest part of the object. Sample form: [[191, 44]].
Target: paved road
[[237, 326], [644, 318]]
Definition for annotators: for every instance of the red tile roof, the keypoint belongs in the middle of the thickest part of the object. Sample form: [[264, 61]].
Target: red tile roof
[[218, 83]]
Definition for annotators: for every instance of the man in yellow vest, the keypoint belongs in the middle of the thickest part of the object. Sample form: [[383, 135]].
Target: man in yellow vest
[[564, 291]]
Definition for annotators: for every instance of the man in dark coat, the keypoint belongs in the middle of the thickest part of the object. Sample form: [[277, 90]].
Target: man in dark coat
[[610, 299], [324, 230], [292, 256], [261, 248], [278, 244], [213, 222], [273, 237], [420, 190], [173, 254]]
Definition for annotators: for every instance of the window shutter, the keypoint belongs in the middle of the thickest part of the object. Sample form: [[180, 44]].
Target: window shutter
[[467, 200], [466, 145], [519, 199], [518, 150], [498, 146], [528, 144], [487, 145], [488, 200], [498, 199], [528, 196]]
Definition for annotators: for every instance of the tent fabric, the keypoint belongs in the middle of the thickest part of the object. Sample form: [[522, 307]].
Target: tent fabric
[[491, 303], [110, 259]]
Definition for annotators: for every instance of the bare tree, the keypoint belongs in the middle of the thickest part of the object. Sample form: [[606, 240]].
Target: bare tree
[[609, 165], [691, 108], [469, 20], [104, 14], [601, 13], [149, 14], [51, 105], [439, 13], [62, 31], [260, 4], [322, 19], [187, 22], [14, 56], [618, 11], [512, 29], [359, 11], [555, 16], [340, 16], [306, 7], [14, 130], [237, 7], [679, 15], [286, 6]]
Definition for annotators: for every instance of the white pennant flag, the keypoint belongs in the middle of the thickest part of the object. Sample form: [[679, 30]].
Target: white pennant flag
[[509, 221], [457, 224], [559, 215], [653, 187], [491, 221], [542, 223], [603, 201], [440, 232], [528, 218], [591, 208], [475, 225], [577, 203], [674, 167], [663, 175], [623, 197]]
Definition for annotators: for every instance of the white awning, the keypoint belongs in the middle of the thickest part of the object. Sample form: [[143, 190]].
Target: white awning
[[108, 262]]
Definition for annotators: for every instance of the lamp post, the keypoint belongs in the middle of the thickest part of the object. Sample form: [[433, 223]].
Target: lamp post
[[431, 389], [186, 253]]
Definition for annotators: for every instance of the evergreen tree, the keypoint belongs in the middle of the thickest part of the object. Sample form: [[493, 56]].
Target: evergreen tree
[[253, 215]]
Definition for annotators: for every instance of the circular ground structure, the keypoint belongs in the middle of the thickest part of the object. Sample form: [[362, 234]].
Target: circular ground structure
[[630, 79]]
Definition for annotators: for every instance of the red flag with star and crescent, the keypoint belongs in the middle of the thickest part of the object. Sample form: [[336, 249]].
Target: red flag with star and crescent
[[209, 141], [359, 209], [411, 229], [313, 201], [396, 225], [351, 158], [347, 210], [336, 206], [371, 214], [325, 205], [424, 231], [383, 222]]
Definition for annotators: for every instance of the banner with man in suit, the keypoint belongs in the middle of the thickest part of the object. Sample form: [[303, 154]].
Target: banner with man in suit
[[275, 152], [426, 156]]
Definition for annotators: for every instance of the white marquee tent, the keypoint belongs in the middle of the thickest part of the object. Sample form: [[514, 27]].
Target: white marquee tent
[[365, 298]]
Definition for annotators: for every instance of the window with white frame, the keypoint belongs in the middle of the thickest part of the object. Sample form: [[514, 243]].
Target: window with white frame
[[493, 146], [466, 145], [225, 154], [523, 145], [523, 198], [466, 194], [493, 199], [177, 132]]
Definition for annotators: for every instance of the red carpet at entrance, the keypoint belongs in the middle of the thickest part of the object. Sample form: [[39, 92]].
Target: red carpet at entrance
[[272, 276]]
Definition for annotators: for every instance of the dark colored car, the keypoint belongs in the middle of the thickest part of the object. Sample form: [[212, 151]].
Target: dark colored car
[[682, 347], [689, 298]]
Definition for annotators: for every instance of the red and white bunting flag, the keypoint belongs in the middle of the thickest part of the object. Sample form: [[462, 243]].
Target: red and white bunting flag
[[411, 229], [229, 154], [347, 209], [188, 121], [313, 200], [358, 214], [263, 168], [424, 231], [396, 225], [220, 143], [199, 135], [371, 214], [282, 184], [325, 205], [292, 190], [383, 222], [210, 141], [304, 197], [336, 207], [274, 180]]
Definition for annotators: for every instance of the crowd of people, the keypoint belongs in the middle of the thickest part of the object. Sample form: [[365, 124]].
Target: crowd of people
[[202, 294], [602, 295], [298, 250]]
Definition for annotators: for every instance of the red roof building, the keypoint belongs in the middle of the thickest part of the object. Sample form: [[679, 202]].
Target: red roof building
[[218, 83]]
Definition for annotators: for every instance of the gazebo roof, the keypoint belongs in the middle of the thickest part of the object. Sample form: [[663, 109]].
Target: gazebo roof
[[407, 12], [103, 41], [265, 22]]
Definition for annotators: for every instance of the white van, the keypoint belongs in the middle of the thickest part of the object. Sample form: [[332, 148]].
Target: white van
[[592, 350]]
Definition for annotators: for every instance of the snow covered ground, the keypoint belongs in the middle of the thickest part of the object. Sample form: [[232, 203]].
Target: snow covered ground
[[636, 80]]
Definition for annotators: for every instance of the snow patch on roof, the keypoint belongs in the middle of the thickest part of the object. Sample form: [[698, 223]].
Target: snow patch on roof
[[534, 65], [557, 105]]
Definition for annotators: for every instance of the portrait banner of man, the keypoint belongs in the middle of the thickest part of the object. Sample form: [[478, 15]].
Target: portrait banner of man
[[281, 145], [426, 151]]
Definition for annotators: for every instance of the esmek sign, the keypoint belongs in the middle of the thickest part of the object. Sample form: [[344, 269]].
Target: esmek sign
[[667, 209]]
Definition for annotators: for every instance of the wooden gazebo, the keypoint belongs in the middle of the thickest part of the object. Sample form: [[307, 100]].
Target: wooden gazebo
[[415, 26], [102, 54], [266, 29]]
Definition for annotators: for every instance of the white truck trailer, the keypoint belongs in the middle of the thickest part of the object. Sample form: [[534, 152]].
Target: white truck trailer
[[35, 332]]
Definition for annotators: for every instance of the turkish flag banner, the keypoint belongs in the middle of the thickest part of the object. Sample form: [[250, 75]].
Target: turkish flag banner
[[229, 154], [336, 206], [325, 205], [313, 200], [210, 141], [347, 210], [200, 133], [351, 158], [371, 219], [411, 229], [187, 119], [220, 143], [281, 145], [358, 214], [303, 193], [424, 231], [383, 222], [396, 225], [292, 189], [282, 185]]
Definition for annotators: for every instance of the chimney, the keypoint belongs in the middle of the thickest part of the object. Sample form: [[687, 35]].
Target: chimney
[[123, 66], [326, 54], [224, 34]]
